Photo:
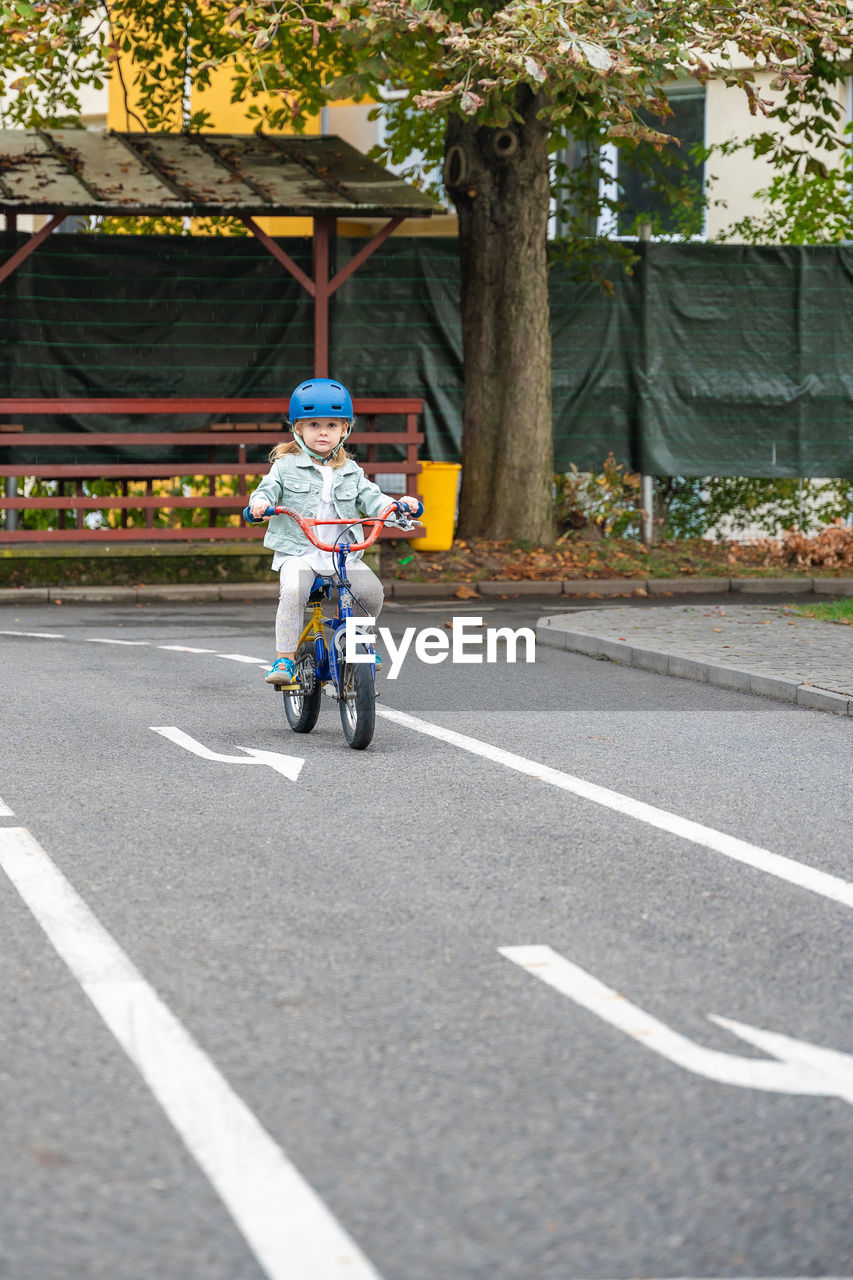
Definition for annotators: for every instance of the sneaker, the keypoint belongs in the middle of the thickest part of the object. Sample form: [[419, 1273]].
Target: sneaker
[[282, 671]]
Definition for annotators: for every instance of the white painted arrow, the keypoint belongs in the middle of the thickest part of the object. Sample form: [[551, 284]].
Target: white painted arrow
[[289, 766], [800, 1067]]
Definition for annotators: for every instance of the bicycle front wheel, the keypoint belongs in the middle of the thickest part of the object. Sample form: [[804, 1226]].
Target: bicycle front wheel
[[358, 704], [303, 708]]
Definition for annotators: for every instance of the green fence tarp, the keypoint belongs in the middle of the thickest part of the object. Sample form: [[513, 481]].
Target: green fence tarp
[[96, 316], [708, 360], [747, 362]]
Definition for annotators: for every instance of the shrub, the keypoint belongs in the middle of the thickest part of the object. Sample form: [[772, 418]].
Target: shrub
[[604, 504]]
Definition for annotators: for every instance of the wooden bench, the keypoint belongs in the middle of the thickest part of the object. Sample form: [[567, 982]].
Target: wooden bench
[[375, 431]]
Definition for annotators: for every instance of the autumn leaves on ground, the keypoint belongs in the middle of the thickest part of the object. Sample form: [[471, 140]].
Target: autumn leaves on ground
[[829, 552]]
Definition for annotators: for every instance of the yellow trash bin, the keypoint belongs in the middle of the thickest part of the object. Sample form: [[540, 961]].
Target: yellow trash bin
[[438, 484]]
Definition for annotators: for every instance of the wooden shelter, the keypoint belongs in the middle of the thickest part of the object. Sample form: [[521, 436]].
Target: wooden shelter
[[64, 173]]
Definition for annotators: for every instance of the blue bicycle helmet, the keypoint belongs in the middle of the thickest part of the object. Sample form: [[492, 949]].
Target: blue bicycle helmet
[[321, 398]]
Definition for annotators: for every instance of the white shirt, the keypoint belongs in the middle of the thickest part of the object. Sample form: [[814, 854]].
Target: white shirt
[[314, 558]]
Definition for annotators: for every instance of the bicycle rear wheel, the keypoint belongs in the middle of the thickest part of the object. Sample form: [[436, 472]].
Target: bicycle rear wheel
[[358, 704], [303, 708]]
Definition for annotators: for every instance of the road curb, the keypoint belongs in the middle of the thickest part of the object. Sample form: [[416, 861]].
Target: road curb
[[399, 589], [241, 592], [602, 587], [767, 586], [23, 595], [92, 595], [691, 586], [673, 664]]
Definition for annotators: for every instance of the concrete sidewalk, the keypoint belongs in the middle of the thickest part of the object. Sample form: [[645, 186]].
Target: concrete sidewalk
[[762, 649]]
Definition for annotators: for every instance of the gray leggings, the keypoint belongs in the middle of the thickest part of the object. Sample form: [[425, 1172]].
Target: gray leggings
[[296, 579]]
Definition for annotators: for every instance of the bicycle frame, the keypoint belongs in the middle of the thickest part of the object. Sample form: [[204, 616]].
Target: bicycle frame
[[326, 651]]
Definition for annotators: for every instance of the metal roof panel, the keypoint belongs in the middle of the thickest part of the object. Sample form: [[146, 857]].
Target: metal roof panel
[[277, 177], [75, 171], [31, 174], [112, 172], [361, 179], [191, 167]]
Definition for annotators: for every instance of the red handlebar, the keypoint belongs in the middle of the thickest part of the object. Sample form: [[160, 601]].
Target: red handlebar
[[308, 525]]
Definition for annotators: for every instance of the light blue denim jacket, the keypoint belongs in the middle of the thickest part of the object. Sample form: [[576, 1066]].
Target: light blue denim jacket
[[293, 481]]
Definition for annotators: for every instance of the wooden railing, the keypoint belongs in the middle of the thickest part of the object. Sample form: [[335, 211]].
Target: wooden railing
[[224, 444]]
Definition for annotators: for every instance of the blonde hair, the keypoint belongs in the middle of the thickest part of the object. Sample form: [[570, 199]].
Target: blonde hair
[[290, 446]]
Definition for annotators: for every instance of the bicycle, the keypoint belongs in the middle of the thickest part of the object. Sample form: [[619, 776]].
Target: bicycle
[[320, 659]]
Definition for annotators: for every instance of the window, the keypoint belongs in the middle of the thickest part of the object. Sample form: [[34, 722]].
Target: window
[[633, 179], [638, 182]]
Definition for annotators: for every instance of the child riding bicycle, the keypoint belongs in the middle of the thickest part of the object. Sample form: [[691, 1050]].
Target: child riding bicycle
[[314, 476]]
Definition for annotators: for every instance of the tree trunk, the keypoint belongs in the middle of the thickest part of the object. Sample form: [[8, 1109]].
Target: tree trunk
[[498, 180]]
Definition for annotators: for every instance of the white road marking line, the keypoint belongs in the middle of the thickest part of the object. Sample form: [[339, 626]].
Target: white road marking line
[[184, 648], [773, 864], [801, 1068], [35, 635], [5, 811], [180, 648], [289, 766], [289, 1229]]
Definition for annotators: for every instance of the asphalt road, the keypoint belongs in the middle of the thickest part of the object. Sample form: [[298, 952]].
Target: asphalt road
[[331, 944]]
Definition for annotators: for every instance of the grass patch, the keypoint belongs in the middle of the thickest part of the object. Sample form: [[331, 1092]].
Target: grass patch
[[840, 611]]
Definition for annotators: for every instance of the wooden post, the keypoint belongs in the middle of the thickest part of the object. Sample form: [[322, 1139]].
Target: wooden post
[[242, 488], [371, 448], [12, 264], [324, 229], [11, 481], [412, 484], [211, 486], [324, 284]]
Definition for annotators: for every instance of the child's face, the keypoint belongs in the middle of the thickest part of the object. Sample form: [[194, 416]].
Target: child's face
[[321, 434]]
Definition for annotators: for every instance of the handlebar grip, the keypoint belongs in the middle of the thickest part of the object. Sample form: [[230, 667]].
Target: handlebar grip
[[403, 510], [250, 519]]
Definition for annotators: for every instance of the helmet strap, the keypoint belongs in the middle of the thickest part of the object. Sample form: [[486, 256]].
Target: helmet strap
[[320, 457]]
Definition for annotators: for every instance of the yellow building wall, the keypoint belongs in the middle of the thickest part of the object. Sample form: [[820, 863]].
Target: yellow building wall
[[225, 117]]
